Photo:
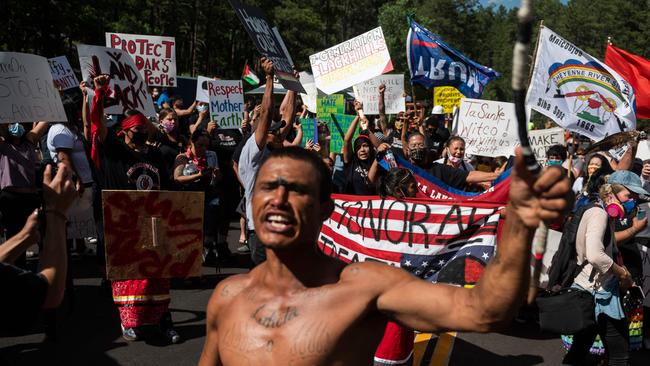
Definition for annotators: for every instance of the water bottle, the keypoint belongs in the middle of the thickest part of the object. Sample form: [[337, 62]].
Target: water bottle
[[391, 158], [190, 169]]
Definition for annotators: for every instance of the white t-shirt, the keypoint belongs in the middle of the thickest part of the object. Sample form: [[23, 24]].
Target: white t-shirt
[[249, 163], [60, 137]]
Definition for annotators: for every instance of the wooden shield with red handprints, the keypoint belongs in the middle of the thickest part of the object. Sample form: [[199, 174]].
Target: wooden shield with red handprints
[[153, 234]]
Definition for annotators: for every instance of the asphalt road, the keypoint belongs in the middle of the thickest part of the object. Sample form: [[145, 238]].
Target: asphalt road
[[89, 332]]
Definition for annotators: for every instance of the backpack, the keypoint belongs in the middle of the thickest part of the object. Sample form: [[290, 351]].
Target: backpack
[[564, 267]]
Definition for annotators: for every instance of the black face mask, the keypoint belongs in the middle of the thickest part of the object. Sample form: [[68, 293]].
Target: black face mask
[[417, 155], [139, 138]]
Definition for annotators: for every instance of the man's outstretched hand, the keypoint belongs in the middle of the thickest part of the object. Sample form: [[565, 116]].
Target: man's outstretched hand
[[545, 198]]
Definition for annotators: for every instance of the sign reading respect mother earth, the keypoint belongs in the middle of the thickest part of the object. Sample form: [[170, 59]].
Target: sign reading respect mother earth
[[488, 127], [351, 62], [226, 102], [154, 56], [27, 92]]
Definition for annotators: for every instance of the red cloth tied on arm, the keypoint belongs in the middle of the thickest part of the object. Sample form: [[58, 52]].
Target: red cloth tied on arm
[[96, 115]]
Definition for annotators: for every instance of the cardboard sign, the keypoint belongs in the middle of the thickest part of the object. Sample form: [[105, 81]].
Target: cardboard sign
[[154, 56], [326, 105], [268, 42], [309, 130], [351, 62], [339, 126], [368, 93], [27, 92], [309, 98], [488, 127], [226, 102], [541, 140], [202, 89], [128, 89], [81, 223], [64, 77], [448, 97], [153, 234]]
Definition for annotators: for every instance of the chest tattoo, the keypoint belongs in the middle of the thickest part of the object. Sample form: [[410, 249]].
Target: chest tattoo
[[273, 318]]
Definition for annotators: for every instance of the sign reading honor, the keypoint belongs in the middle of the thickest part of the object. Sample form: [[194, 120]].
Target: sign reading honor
[[579, 92], [351, 62], [269, 43], [27, 92], [154, 56]]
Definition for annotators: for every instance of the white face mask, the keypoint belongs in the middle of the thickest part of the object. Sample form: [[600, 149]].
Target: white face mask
[[454, 159]]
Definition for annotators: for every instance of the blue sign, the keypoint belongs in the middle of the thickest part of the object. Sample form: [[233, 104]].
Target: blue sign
[[432, 62]]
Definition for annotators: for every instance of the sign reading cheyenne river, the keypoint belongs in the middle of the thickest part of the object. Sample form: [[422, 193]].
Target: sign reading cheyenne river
[[351, 62], [154, 56]]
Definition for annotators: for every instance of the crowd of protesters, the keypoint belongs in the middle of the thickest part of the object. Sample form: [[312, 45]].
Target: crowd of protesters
[[184, 150]]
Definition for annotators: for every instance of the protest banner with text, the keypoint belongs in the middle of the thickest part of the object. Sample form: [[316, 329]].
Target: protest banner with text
[[338, 127], [27, 91], [448, 97], [488, 127], [202, 89], [154, 56], [64, 77], [153, 234], [128, 89], [328, 104], [309, 130], [269, 43], [368, 93], [541, 140], [226, 103], [351, 62]]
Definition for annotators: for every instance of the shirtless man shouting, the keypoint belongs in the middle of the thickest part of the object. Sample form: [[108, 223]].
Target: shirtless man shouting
[[301, 307]]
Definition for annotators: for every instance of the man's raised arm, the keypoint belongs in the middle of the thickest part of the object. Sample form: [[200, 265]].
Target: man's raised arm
[[266, 115], [494, 301]]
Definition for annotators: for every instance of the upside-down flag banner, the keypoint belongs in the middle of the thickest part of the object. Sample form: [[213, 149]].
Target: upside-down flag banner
[[432, 62], [636, 70], [439, 241], [579, 92]]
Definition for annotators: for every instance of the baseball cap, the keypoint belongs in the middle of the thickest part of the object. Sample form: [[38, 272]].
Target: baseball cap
[[438, 110], [629, 180]]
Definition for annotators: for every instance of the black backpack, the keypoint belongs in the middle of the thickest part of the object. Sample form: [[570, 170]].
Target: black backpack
[[564, 267]]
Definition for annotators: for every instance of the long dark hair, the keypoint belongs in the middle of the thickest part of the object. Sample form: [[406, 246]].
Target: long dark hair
[[395, 181]]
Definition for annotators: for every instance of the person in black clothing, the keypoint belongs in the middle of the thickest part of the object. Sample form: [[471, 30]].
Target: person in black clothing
[[168, 138], [358, 159]]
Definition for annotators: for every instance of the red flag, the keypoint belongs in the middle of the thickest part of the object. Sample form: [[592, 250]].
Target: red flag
[[636, 71]]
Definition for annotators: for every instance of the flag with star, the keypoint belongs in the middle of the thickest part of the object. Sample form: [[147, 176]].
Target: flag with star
[[436, 240]]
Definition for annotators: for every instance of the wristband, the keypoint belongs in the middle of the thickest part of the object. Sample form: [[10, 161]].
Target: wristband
[[57, 213]]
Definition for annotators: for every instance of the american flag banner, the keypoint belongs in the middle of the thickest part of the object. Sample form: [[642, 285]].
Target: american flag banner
[[436, 240]]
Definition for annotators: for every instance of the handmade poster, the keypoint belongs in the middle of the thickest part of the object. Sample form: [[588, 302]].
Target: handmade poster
[[328, 104], [268, 42], [81, 222], [309, 98], [351, 62], [128, 89], [448, 97], [368, 93], [309, 130], [64, 77], [27, 91], [153, 234], [226, 103], [579, 92], [338, 127], [541, 140], [488, 127], [154, 56], [202, 89]]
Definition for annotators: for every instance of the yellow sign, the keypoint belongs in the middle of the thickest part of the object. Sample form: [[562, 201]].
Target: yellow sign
[[448, 97]]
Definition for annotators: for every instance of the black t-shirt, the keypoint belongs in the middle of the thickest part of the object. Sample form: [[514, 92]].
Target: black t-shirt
[[356, 178], [124, 168], [224, 142], [170, 149], [24, 295], [629, 249], [453, 177]]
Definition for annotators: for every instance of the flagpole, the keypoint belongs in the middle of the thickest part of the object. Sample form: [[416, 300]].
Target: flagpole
[[532, 64]]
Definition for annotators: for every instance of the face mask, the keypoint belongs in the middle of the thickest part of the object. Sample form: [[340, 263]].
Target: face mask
[[629, 205], [454, 159], [16, 130], [139, 138], [553, 162], [168, 126], [201, 107], [417, 155]]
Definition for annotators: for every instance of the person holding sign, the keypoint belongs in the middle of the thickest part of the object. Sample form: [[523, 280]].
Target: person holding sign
[[301, 307]]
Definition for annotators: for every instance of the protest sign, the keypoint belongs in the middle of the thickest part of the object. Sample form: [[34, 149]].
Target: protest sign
[[368, 93], [202, 89], [128, 89], [448, 97], [309, 130], [154, 56], [439, 241], [268, 42], [64, 77], [351, 62], [488, 127], [27, 92], [81, 222], [643, 150], [226, 102], [541, 140], [309, 98], [579, 92], [328, 104], [338, 128], [153, 234]]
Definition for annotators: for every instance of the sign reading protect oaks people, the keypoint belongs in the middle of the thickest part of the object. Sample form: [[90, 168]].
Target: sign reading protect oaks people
[[153, 234], [351, 62], [448, 97], [154, 56], [226, 102], [27, 92]]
